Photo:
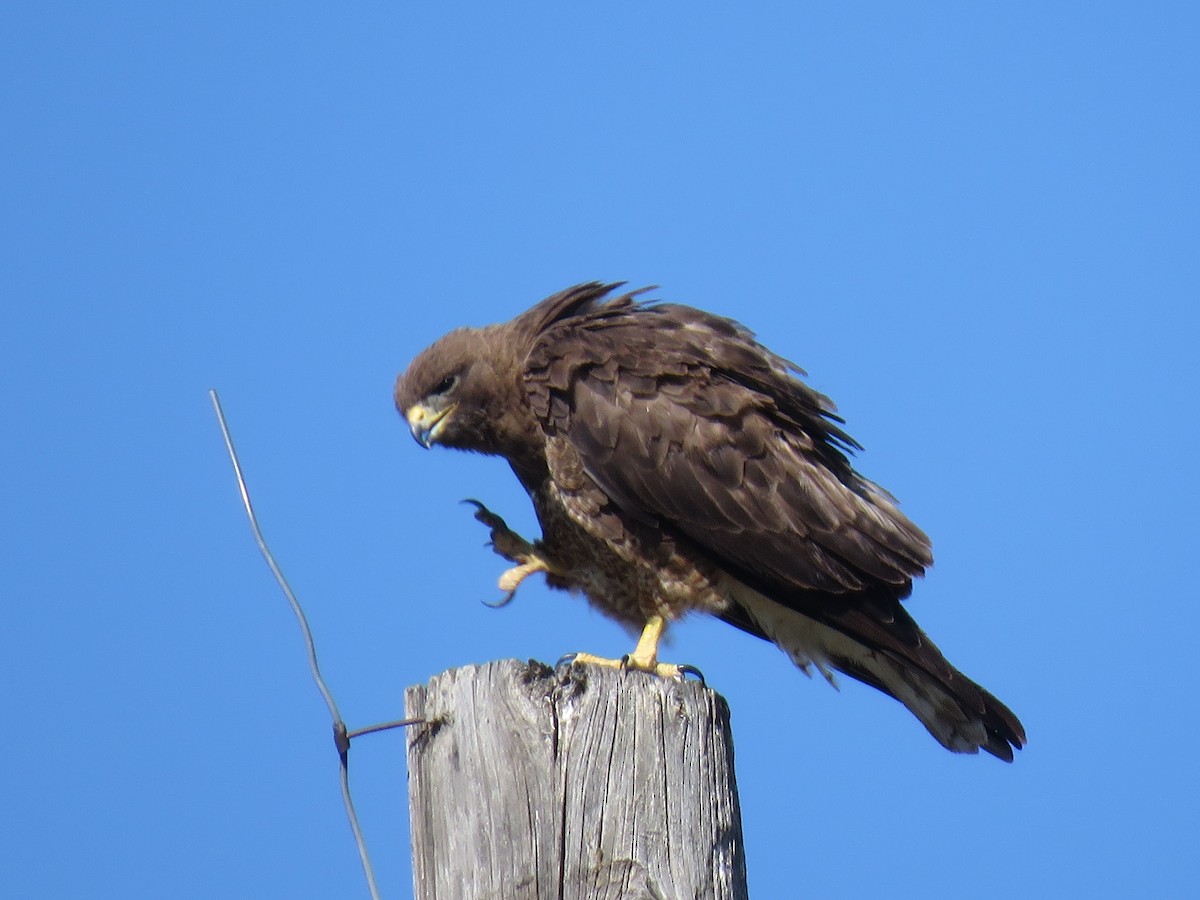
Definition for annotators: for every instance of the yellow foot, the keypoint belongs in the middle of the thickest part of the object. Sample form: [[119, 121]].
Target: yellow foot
[[663, 670], [644, 657], [511, 579]]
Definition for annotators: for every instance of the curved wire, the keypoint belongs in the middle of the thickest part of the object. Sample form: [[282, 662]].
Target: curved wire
[[341, 736]]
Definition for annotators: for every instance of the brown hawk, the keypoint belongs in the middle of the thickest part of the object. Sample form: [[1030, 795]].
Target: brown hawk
[[676, 465]]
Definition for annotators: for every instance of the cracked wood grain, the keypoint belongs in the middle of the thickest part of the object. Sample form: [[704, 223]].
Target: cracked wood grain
[[582, 783]]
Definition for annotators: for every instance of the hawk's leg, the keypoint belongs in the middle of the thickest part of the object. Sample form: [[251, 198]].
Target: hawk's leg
[[514, 548], [644, 656]]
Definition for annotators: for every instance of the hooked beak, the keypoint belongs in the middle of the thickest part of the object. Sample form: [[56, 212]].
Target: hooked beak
[[426, 423]]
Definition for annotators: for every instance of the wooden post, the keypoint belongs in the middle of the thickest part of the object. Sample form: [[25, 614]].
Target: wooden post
[[580, 783]]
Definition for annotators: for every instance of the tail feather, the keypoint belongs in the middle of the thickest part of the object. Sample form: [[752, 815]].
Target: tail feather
[[879, 644], [961, 715]]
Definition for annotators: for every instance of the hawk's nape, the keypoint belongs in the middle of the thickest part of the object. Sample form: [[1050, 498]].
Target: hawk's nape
[[676, 465]]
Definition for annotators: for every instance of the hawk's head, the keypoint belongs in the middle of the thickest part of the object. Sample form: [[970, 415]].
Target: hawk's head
[[465, 391]]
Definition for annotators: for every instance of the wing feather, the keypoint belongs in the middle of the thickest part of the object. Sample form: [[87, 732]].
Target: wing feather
[[682, 417]]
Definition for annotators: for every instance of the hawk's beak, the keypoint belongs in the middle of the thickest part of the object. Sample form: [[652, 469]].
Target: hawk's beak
[[426, 423]]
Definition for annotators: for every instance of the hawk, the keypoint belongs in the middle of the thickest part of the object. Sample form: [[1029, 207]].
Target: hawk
[[678, 466]]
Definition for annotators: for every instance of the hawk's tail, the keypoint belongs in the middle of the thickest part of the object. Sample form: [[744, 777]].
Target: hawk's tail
[[960, 714], [875, 641]]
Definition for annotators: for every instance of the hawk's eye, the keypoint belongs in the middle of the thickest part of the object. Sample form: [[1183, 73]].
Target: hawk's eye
[[446, 385]]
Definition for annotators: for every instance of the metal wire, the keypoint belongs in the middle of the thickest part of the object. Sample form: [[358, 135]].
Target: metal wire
[[340, 735], [371, 729]]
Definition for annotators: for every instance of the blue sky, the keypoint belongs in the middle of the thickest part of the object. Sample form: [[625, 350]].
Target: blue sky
[[974, 225]]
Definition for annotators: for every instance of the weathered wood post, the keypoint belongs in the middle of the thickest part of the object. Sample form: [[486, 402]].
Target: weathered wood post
[[580, 783]]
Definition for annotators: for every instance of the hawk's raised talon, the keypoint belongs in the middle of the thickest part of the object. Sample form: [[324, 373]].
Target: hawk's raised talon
[[486, 516], [504, 541]]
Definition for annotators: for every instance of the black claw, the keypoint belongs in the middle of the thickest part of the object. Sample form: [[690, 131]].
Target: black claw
[[485, 515], [625, 661], [565, 660], [692, 670], [502, 602]]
